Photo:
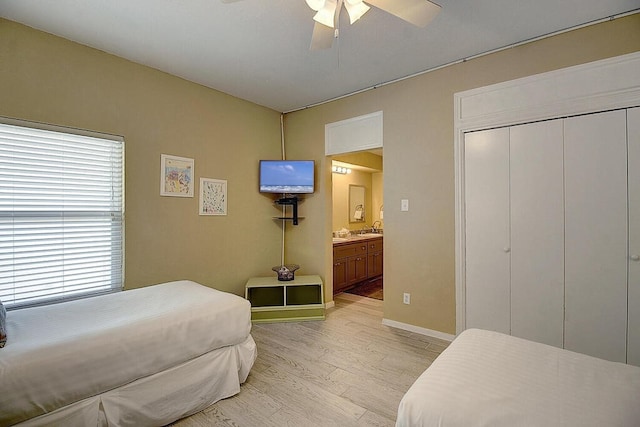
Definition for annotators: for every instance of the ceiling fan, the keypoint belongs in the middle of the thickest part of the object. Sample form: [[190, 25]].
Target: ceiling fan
[[325, 29]]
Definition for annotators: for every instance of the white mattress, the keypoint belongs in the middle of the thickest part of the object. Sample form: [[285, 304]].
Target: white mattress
[[490, 379], [61, 354]]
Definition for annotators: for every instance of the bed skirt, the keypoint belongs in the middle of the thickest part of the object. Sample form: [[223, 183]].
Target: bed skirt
[[164, 397]]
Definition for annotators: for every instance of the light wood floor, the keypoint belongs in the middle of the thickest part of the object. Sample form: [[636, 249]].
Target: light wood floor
[[349, 370]]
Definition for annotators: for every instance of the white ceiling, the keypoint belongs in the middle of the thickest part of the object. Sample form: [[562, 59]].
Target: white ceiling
[[258, 49]]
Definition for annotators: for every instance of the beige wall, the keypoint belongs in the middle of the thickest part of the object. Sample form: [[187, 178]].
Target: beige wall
[[377, 198], [418, 163], [363, 158], [48, 79]]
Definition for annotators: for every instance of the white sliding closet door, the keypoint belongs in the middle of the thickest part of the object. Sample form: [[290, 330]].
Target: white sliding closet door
[[486, 184], [633, 132], [537, 232], [596, 235]]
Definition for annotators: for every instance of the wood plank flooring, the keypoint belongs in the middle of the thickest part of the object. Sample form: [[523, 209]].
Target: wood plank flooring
[[349, 370]]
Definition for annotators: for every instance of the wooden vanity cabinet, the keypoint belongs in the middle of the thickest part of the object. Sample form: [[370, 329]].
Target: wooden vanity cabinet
[[374, 258], [339, 274], [355, 262], [356, 269]]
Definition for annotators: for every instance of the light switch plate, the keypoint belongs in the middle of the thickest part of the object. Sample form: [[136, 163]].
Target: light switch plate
[[404, 205]]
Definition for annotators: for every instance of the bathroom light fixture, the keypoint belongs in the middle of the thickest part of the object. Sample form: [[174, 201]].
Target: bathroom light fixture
[[340, 169]]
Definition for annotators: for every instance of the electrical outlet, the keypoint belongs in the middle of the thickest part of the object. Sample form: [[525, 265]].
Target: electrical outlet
[[406, 298]]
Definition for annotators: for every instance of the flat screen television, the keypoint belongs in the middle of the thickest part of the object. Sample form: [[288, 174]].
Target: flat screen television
[[287, 176]]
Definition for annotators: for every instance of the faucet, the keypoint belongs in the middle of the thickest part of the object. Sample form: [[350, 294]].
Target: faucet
[[374, 229]]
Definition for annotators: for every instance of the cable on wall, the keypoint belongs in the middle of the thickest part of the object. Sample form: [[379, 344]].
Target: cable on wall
[[284, 208]]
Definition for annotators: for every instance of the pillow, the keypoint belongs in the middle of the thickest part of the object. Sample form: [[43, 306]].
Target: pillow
[[3, 325]]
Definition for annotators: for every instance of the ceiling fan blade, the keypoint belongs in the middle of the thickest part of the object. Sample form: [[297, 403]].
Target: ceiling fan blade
[[322, 37], [416, 12]]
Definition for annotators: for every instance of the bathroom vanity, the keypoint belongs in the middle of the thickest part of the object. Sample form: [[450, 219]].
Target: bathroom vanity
[[356, 259]]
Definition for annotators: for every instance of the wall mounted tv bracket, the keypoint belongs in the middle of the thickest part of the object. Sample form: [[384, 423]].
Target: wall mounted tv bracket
[[291, 201]]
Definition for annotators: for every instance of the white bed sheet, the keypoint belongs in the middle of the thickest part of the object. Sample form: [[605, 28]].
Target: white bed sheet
[[490, 379], [64, 353]]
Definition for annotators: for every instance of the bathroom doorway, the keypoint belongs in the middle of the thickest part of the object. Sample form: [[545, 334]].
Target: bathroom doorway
[[358, 223]]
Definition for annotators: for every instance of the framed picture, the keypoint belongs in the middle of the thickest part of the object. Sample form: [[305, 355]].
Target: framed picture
[[213, 196], [176, 176]]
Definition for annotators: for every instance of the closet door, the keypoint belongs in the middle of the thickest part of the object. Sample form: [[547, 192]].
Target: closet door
[[596, 235], [537, 232], [633, 132], [486, 185]]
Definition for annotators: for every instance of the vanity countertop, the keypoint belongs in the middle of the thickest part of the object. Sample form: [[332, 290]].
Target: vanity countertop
[[355, 238]]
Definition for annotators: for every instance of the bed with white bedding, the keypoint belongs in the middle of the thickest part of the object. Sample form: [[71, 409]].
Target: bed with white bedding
[[490, 379], [140, 357]]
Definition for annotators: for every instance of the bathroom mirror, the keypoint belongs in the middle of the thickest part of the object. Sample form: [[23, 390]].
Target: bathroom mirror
[[356, 203]]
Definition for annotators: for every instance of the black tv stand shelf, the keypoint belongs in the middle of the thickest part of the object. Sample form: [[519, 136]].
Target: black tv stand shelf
[[289, 218], [290, 201]]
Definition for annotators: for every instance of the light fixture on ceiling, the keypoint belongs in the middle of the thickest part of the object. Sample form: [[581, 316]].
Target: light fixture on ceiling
[[340, 169], [325, 30], [326, 10], [355, 9]]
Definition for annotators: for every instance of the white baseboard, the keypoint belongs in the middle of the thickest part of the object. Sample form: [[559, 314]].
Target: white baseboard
[[418, 330], [329, 304]]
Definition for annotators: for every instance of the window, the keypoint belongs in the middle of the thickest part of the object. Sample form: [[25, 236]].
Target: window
[[61, 214]]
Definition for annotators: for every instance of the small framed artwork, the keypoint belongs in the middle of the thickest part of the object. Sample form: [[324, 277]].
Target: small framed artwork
[[176, 176], [213, 196]]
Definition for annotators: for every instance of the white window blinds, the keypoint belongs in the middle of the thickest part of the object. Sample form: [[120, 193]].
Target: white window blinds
[[61, 215]]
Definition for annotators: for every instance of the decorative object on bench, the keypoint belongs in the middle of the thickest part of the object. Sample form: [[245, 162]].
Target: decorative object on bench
[[145, 356], [487, 378], [285, 272]]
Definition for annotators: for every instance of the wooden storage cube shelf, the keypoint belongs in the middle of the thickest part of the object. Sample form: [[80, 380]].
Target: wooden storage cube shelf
[[304, 294], [266, 296], [280, 301]]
